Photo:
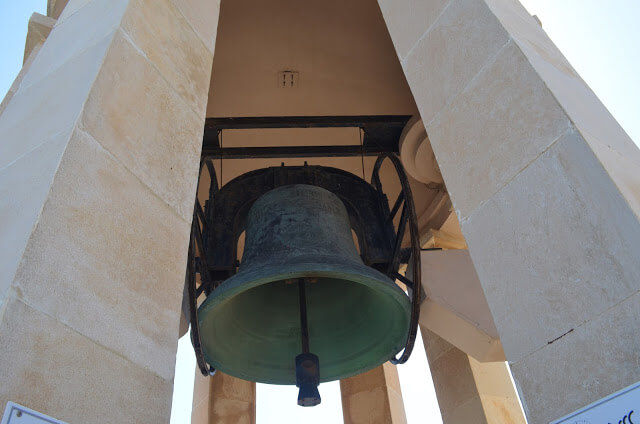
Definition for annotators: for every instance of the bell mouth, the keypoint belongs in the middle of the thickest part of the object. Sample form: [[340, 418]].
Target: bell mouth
[[358, 319]]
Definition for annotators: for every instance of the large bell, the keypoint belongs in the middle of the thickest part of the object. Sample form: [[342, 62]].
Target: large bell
[[251, 324]]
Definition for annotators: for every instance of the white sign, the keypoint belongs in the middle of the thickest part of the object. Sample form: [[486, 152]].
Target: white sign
[[18, 414], [622, 407]]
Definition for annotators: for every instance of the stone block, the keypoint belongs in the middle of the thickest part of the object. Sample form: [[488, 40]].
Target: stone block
[[595, 360], [601, 131], [79, 33], [201, 388], [158, 29], [53, 369], [569, 255], [453, 380], [368, 407], [470, 412], [55, 7], [228, 387], [232, 400], [107, 258], [373, 397], [363, 382], [502, 121], [71, 7], [447, 274], [49, 107], [459, 43], [497, 393], [18, 80], [434, 346], [408, 20], [464, 321], [460, 332], [231, 411], [126, 113], [24, 185], [203, 17], [38, 30]]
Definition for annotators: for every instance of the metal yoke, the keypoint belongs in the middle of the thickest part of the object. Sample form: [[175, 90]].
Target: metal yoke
[[227, 208]]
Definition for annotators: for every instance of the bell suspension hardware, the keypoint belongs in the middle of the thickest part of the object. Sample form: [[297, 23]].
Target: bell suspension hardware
[[307, 364], [301, 284]]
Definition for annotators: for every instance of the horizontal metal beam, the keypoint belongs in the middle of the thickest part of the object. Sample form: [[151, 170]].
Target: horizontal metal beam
[[294, 151], [244, 123], [381, 134]]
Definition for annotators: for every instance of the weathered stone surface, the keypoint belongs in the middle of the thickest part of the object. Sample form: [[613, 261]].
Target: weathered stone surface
[[557, 381], [613, 147], [463, 38], [24, 185], [168, 41], [460, 332], [99, 284], [366, 381], [55, 7], [371, 406], [469, 391], [203, 17], [107, 258], [223, 399], [45, 109], [95, 22], [38, 30], [453, 380], [447, 274], [373, 397], [231, 411], [497, 392], [123, 112], [470, 412], [201, 404], [434, 346], [570, 254], [493, 129], [53, 369], [408, 20]]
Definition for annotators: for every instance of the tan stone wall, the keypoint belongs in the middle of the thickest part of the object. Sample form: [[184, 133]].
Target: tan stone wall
[[373, 397], [544, 183], [98, 172], [469, 391], [223, 399]]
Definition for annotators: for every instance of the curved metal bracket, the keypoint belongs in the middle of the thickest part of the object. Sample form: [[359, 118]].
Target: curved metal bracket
[[407, 216], [197, 265]]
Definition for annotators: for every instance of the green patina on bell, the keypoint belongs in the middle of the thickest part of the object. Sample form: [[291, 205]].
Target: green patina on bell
[[251, 324]]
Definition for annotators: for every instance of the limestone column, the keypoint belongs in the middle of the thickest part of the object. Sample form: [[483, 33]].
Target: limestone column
[[99, 156], [373, 397], [469, 391], [223, 399], [545, 184]]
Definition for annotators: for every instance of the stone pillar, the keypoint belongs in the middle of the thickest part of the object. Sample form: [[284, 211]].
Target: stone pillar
[[223, 399], [545, 184], [469, 391], [373, 397], [98, 168]]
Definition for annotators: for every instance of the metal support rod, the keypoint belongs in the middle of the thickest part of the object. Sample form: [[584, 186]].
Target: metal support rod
[[304, 325]]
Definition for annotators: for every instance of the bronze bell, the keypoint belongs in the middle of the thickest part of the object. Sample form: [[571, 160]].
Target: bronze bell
[[300, 264]]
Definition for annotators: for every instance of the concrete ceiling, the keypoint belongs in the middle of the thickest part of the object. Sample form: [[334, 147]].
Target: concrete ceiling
[[346, 65], [342, 52]]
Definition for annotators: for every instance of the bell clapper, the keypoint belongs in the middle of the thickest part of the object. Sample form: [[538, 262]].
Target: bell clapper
[[307, 364]]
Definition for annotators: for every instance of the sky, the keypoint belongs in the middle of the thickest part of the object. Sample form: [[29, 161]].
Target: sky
[[602, 41]]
